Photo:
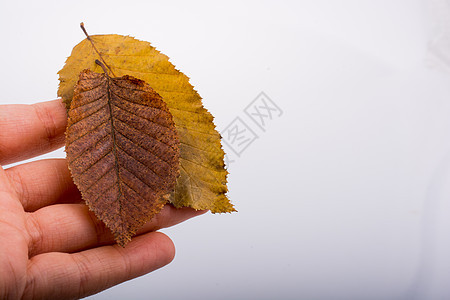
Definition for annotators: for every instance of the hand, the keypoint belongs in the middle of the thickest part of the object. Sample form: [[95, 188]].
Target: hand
[[51, 245]]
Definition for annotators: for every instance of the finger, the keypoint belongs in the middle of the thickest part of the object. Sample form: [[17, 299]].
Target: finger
[[73, 276], [30, 130], [73, 227], [42, 183], [11, 211], [13, 240]]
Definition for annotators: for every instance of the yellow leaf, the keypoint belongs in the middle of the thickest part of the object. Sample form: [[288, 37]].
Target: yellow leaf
[[203, 178]]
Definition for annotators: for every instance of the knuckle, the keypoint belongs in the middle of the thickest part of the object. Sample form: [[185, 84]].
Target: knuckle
[[84, 273], [48, 121], [35, 233], [17, 182], [102, 233]]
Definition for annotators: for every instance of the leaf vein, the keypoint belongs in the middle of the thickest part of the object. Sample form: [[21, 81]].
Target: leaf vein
[[103, 193], [128, 100], [129, 171], [195, 147], [144, 72], [98, 180], [141, 131], [212, 171], [91, 114], [203, 113], [96, 162], [87, 132], [191, 129], [90, 102], [153, 122], [149, 151], [89, 148], [135, 159]]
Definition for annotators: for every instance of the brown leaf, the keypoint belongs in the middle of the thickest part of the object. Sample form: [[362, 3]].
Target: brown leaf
[[123, 150]]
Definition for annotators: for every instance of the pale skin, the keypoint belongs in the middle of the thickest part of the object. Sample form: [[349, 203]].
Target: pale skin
[[51, 245]]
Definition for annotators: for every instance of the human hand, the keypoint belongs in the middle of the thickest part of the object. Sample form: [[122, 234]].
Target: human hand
[[51, 245]]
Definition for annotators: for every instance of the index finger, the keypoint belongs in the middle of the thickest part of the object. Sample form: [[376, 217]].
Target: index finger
[[30, 130]]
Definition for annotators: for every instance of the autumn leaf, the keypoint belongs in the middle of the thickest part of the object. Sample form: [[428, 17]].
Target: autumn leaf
[[202, 183], [122, 150]]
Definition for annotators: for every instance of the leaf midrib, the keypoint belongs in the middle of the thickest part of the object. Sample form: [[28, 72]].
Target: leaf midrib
[[114, 146]]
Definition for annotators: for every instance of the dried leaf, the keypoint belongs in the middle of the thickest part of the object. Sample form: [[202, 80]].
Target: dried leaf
[[203, 178], [123, 150]]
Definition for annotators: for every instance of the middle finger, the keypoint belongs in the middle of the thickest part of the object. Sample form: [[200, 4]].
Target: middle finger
[[43, 182], [73, 227]]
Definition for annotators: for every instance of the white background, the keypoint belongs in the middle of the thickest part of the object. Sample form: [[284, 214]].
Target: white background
[[346, 195]]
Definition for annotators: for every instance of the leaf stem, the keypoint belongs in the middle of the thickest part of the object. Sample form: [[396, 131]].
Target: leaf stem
[[95, 48], [103, 67]]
